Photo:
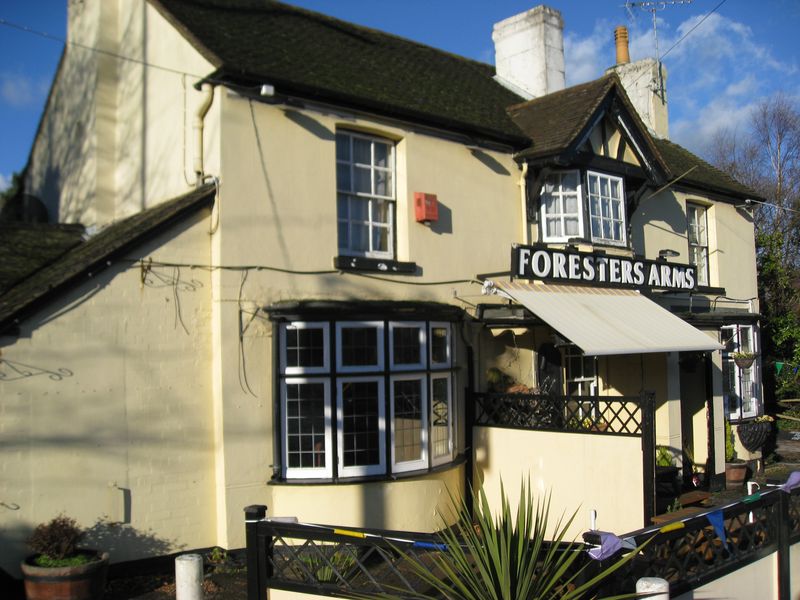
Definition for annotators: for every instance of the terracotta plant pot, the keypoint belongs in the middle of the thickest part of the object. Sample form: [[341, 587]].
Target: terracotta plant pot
[[81, 582], [735, 474]]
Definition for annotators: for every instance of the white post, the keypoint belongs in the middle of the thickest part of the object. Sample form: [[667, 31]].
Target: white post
[[189, 577], [655, 588]]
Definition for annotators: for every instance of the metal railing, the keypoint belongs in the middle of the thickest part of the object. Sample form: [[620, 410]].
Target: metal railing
[[341, 562], [692, 552], [615, 415], [354, 562]]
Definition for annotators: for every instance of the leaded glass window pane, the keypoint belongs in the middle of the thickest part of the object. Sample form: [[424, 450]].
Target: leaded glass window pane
[[408, 419], [305, 425], [360, 423]]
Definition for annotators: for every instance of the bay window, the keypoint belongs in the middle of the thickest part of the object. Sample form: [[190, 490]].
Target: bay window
[[338, 420]]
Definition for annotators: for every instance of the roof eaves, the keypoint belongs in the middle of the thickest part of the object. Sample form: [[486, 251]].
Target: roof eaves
[[27, 295], [315, 94]]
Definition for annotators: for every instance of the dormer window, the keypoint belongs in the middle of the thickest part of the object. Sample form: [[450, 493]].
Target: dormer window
[[567, 197], [606, 209], [562, 214]]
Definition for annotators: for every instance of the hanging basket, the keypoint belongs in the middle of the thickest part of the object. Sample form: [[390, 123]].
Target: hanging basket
[[753, 435], [744, 362]]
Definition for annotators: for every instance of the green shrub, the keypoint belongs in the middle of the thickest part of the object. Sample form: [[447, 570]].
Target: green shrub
[[505, 558], [57, 539]]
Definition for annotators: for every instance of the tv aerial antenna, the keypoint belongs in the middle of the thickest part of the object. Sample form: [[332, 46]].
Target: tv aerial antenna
[[654, 6]]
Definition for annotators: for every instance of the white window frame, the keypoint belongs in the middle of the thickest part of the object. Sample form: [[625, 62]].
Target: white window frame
[[325, 472], [340, 366], [544, 215], [372, 197], [733, 332], [701, 211], [444, 458], [423, 347], [448, 326], [361, 470], [623, 228], [572, 352], [422, 462], [325, 368]]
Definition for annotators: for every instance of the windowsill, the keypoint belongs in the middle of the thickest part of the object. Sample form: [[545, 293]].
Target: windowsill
[[374, 265], [459, 460]]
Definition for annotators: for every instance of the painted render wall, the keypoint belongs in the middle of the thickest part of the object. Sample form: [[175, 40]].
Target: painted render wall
[[581, 472], [130, 422], [116, 136], [756, 580], [277, 208]]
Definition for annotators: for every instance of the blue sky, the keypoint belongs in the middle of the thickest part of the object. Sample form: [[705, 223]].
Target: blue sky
[[742, 53]]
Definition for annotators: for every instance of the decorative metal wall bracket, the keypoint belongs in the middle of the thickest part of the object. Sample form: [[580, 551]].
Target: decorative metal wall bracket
[[14, 371]]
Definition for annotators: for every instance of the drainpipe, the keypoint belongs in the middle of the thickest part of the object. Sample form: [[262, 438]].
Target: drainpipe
[[523, 204], [199, 171]]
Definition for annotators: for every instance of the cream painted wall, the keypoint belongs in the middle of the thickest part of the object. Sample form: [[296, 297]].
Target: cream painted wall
[[116, 136], [277, 208], [582, 472], [756, 580], [794, 565], [660, 223], [412, 504], [133, 413], [62, 167]]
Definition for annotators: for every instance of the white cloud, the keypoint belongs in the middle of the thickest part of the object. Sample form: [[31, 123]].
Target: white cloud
[[5, 182], [696, 130], [20, 91], [587, 57]]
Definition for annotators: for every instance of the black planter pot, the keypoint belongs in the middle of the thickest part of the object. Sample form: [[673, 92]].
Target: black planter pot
[[753, 435], [668, 487]]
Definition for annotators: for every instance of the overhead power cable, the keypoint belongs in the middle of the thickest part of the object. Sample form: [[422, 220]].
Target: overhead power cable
[[138, 61]]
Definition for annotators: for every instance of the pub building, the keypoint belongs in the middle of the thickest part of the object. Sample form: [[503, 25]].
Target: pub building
[[345, 273]]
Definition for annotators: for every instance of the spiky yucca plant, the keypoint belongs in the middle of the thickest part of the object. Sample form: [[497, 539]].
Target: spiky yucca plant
[[508, 557]]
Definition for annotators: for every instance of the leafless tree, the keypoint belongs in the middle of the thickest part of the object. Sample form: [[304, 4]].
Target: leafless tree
[[766, 157]]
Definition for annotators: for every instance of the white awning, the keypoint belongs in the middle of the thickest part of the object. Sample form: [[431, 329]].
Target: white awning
[[602, 321]]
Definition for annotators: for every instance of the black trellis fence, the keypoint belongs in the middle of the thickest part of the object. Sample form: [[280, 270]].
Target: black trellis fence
[[348, 562], [697, 550], [610, 415], [339, 562]]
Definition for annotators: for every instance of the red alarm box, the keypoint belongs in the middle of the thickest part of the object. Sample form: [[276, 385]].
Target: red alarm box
[[426, 207]]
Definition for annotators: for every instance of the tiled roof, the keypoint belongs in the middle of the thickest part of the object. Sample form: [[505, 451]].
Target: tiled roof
[[318, 57], [702, 174], [554, 122], [27, 247], [61, 270]]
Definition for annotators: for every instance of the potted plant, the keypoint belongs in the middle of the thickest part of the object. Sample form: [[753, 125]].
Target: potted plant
[[59, 568], [744, 360], [735, 468]]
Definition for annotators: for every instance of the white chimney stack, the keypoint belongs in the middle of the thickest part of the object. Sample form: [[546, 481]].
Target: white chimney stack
[[529, 52]]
